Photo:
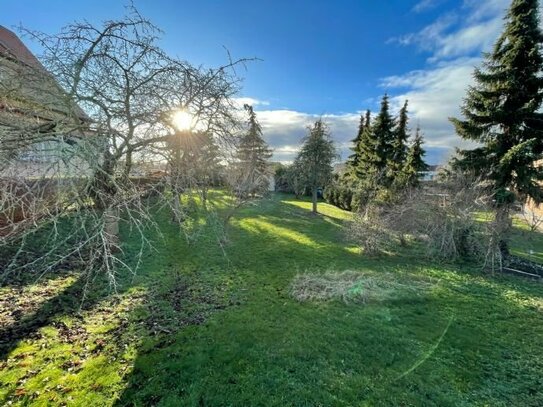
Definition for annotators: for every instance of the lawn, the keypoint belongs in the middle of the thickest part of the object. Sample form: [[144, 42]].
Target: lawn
[[202, 326]]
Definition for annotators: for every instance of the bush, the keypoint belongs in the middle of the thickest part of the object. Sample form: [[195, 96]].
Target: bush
[[370, 231], [444, 218], [354, 195], [329, 194], [339, 194], [345, 197]]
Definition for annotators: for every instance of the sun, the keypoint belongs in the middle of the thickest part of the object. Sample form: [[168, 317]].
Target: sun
[[182, 120]]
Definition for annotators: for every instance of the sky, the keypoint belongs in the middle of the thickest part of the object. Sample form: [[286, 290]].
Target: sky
[[329, 59]]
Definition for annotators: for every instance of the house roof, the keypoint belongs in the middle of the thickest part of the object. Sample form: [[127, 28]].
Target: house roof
[[31, 82], [12, 47]]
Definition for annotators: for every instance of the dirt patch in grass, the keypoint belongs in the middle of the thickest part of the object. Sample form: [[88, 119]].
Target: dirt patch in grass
[[186, 300], [17, 302], [355, 287]]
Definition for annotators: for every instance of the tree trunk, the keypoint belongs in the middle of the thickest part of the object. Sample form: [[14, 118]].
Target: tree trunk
[[127, 165], [177, 212], [503, 227], [111, 227], [204, 198], [103, 188], [176, 183], [315, 200]]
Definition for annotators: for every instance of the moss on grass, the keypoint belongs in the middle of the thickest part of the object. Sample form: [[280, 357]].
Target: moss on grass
[[194, 327]]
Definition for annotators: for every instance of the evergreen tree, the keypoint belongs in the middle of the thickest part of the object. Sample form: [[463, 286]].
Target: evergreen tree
[[252, 156], [414, 163], [501, 112], [399, 144], [281, 179], [376, 148], [353, 160], [315, 159], [208, 164], [365, 150], [296, 179]]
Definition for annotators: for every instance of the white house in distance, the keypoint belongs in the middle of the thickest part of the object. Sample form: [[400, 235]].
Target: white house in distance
[[431, 174]]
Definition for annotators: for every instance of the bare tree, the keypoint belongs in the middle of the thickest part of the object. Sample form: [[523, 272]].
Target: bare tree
[[129, 91], [531, 216]]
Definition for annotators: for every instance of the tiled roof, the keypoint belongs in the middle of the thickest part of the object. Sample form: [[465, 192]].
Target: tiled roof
[[45, 91], [11, 46]]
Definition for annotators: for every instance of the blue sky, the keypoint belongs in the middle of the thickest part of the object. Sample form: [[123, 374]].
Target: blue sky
[[319, 58]]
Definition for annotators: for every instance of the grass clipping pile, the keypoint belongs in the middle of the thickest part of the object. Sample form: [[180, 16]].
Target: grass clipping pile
[[354, 287]]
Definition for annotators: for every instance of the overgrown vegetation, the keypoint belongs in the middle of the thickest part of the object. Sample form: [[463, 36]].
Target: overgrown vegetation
[[441, 218], [382, 163], [240, 301], [196, 328], [502, 113]]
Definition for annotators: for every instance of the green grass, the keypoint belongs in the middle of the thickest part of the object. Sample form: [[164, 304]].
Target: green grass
[[196, 328], [526, 243], [523, 242]]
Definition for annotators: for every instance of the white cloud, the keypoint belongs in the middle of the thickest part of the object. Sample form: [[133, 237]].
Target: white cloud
[[435, 95], [455, 42], [468, 39], [459, 33], [425, 5], [241, 101], [478, 10], [285, 129], [429, 36]]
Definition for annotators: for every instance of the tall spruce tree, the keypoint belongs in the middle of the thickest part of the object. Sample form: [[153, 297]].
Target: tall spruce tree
[[501, 112], [252, 156], [365, 150], [315, 159], [376, 150], [354, 158], [399, 145], [414, 163]]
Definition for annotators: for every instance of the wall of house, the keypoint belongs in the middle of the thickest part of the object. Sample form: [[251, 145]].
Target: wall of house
[[533, 207], [48, 159]]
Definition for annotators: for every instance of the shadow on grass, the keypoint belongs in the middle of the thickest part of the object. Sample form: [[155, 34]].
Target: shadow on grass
[[266, 250], [66, 302], [51, 296], [217, 332], [275, 351], [272, 350]]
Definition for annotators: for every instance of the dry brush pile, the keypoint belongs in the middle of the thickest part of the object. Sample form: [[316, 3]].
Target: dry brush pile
[[356, 287], [445, 218]]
